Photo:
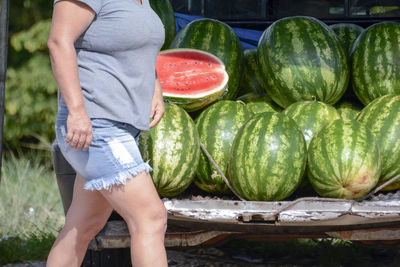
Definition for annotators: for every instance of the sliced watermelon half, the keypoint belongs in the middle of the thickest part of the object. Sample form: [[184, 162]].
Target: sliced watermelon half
[[191, 78]]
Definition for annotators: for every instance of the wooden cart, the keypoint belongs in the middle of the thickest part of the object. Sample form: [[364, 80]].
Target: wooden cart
[[195, 220]]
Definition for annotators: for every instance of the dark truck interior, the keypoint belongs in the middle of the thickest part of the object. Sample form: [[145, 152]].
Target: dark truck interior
[[258, 14]]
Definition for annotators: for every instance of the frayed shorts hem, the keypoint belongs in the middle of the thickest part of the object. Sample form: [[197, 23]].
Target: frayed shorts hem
[[120, 178]]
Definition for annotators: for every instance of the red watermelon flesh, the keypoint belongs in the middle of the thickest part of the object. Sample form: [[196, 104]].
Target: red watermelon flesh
[[191, 78]]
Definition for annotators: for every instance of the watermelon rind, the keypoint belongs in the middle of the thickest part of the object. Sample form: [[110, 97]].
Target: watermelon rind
[[375, 62], [260, 107], [382, 117], [251, 79], [259, 103], [217, 126], [311, 116], [344, 160], [347, 33], [172, 148], [267, 158], [219, 39], [301, 58], [192, 102], [348, 110]]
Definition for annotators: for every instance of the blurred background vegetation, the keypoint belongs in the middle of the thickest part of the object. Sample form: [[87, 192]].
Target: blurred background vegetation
[[31, 91]]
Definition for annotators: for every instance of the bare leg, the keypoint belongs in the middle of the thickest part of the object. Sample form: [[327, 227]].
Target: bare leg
[[87, 215], [143, 211]]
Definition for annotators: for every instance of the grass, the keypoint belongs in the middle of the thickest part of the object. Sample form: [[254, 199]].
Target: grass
[[31, 212]]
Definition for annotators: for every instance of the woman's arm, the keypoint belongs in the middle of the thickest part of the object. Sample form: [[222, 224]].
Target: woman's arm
[[70, 19], [157, 107]]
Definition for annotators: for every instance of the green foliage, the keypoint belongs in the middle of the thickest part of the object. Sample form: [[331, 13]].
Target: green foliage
[[34, 39], [31, 91], [23, 13], [15, 249]]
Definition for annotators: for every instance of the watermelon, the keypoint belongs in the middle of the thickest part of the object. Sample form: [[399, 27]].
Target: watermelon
[[217, 125], [191, 78], [164, 10], [376, 62], [251, 78], [382, 116], [301, 58], [268, 158], [348, 110], [259, 103], [218, 39], [311, 116], [173, 149], [255, 97], [344, 160], [260, 107], [347, 33]]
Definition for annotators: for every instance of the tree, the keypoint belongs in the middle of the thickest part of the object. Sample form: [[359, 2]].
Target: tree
[[31, 92]]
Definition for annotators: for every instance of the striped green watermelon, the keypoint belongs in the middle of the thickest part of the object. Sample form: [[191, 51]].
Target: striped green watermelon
[[164, 10], [382, 117], [268, 158], [347, 33], [219, 39], [348, 110], [256, 97], [376, 62], [251, 78], [217, 125], [191, 78], [301, 58], [259, 103], [173, 149], [311, 116], [260, 107], [344, 160]]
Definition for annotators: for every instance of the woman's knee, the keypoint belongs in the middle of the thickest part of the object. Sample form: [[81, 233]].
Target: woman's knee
[[87, 229], [152, 220]]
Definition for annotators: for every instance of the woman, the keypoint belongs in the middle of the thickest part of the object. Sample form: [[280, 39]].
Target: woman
[[103, 55]]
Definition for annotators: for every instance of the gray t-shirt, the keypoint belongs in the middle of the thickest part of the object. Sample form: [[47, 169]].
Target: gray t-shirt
[[116, 60]]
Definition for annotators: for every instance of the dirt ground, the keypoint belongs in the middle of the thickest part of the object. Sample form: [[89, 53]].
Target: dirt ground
[[230, 257]]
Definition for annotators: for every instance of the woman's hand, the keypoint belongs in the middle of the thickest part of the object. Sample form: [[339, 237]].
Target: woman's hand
[[79, 130], [157, 105]]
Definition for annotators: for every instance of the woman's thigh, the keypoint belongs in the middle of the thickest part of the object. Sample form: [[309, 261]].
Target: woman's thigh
[[137, 201], [88, 210]]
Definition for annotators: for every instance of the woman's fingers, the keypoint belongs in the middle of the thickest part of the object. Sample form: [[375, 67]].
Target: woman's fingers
[[70, 135], [73, 140], [79, 131], [88, 140], [156, 118], [79, 140]]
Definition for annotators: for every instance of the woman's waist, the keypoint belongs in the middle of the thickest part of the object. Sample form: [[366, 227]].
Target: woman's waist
[[101, 123]]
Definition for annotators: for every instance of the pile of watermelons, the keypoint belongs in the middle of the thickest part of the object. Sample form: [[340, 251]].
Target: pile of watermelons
[[290, 117]]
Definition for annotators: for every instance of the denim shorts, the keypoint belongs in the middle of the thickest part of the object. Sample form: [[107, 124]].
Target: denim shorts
[[113, 155]]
